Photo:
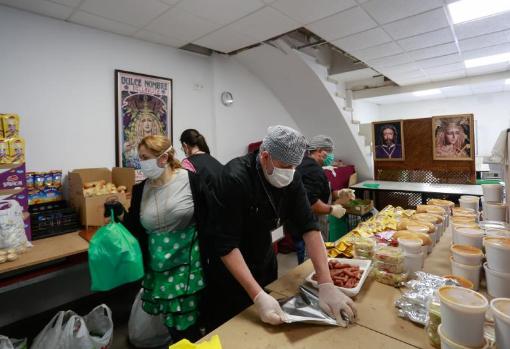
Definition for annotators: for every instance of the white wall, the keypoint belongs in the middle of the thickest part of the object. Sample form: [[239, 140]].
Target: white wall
[[491, 112], [365, 112], [254, 108], [60, 78]]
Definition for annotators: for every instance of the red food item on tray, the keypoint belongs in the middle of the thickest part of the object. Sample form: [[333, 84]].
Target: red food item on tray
[[343, 275]]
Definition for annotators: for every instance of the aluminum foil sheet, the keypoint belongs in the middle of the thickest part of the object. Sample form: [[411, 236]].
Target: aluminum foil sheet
[[304, 307], [413, 304]]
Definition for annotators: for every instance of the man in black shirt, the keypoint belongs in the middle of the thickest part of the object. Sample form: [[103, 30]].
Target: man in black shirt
[[255, 194], [318, 189]]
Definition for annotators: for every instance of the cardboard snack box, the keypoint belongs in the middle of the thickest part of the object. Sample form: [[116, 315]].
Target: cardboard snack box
[[91, 209]]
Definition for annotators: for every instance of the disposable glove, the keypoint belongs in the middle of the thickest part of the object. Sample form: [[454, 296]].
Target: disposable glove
[[268, 309], [334, 302], [337, 210]]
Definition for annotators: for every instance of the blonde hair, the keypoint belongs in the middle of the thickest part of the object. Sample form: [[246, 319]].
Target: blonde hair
[[157, 145]]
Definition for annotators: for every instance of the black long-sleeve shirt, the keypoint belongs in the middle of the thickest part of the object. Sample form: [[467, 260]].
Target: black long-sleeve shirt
[[248, 209], [315, 180]]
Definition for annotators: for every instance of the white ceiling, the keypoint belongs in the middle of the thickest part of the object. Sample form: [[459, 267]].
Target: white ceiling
[[446, 92], [409, 41]]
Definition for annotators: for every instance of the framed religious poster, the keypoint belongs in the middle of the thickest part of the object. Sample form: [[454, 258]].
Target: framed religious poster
[[143, 107], [388, 140], [453, 137]]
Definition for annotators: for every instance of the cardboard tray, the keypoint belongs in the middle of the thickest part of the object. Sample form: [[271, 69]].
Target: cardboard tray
[[351, 292], [360, 210]]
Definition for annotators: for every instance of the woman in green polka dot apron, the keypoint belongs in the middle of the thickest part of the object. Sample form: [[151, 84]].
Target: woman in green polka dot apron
[[174, 277], [162, 217]]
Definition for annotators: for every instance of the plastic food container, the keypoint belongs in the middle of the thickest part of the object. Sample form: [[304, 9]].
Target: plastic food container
[[364, 265], [388, 254], [410, 245], [390, 267], [391, 279], [364, 248], [433, 323]]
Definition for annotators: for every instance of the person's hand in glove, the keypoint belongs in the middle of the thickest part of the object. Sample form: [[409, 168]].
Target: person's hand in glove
[[344, 196], [269, 309], [337, 210], [333, 302]]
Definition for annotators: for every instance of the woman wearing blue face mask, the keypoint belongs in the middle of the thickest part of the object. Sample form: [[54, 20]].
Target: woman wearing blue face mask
[[163, 218], [256, 194], [318, 189]]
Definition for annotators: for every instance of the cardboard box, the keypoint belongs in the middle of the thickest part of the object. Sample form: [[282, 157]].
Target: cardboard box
[[91, 209], [359, 207], [12, 176], [20, 195]]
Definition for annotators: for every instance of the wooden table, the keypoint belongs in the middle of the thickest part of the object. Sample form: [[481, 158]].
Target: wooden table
[[425, 188], [47, 250], [413, 193], [247, 331], [375, 302]]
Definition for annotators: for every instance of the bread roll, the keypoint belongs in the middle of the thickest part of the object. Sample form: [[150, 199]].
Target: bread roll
[[426, 217]]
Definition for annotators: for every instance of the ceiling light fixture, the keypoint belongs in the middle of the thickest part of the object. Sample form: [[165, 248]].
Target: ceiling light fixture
[[468, 10], [487, 60], [434, 91], [507, 82]]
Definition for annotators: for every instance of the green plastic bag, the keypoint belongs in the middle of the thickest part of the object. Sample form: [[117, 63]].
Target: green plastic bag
[[115, 257]]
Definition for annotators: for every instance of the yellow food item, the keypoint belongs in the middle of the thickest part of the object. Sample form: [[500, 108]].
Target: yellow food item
[[12, 257]]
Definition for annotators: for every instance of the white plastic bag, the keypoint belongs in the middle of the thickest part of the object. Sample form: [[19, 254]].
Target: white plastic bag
[[11, 343], [146, 330], [51, 334], [68, 330], [93, 331], [12, 228]]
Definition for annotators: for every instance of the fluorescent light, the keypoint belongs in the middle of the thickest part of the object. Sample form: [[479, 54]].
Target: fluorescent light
[[487, 60], [434, 91], [507, 81], [468, 10]]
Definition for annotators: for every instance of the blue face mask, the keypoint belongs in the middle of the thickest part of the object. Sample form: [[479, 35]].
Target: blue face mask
[[330, 158]]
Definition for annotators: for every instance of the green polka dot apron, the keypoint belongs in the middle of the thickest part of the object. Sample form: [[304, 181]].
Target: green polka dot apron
[[174, 277]]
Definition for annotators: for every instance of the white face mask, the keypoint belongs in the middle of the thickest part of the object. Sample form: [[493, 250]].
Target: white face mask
[[150, 168], [281, 177]]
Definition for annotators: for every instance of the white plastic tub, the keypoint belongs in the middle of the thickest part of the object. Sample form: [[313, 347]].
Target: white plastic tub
[[470, 272], [498, 284]]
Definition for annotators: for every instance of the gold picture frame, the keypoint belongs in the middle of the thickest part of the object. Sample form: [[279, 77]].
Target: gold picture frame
[[453, 137], [382, 149]]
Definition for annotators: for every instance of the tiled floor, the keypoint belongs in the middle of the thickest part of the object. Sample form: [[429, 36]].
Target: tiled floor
[[286, 262]]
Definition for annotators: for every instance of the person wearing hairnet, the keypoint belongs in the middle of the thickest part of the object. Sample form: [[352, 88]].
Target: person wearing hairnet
[[255, 194], [318, 189]]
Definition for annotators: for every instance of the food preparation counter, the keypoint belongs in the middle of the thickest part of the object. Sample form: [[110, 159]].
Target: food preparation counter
[[378, 324]]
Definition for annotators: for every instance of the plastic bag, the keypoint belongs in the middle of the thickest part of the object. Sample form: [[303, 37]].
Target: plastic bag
[[67, 330], [93, 331], [214, 343], [12, 343], [146, 330], [115, 257], [12, 228], [50, 336]]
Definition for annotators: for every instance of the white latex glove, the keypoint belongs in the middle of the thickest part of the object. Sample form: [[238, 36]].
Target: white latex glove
[[337, 210], [268, 308], [333, 301]]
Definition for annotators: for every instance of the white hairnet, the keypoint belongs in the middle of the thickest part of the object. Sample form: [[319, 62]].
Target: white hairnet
[[321, 142], [285, 144]]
